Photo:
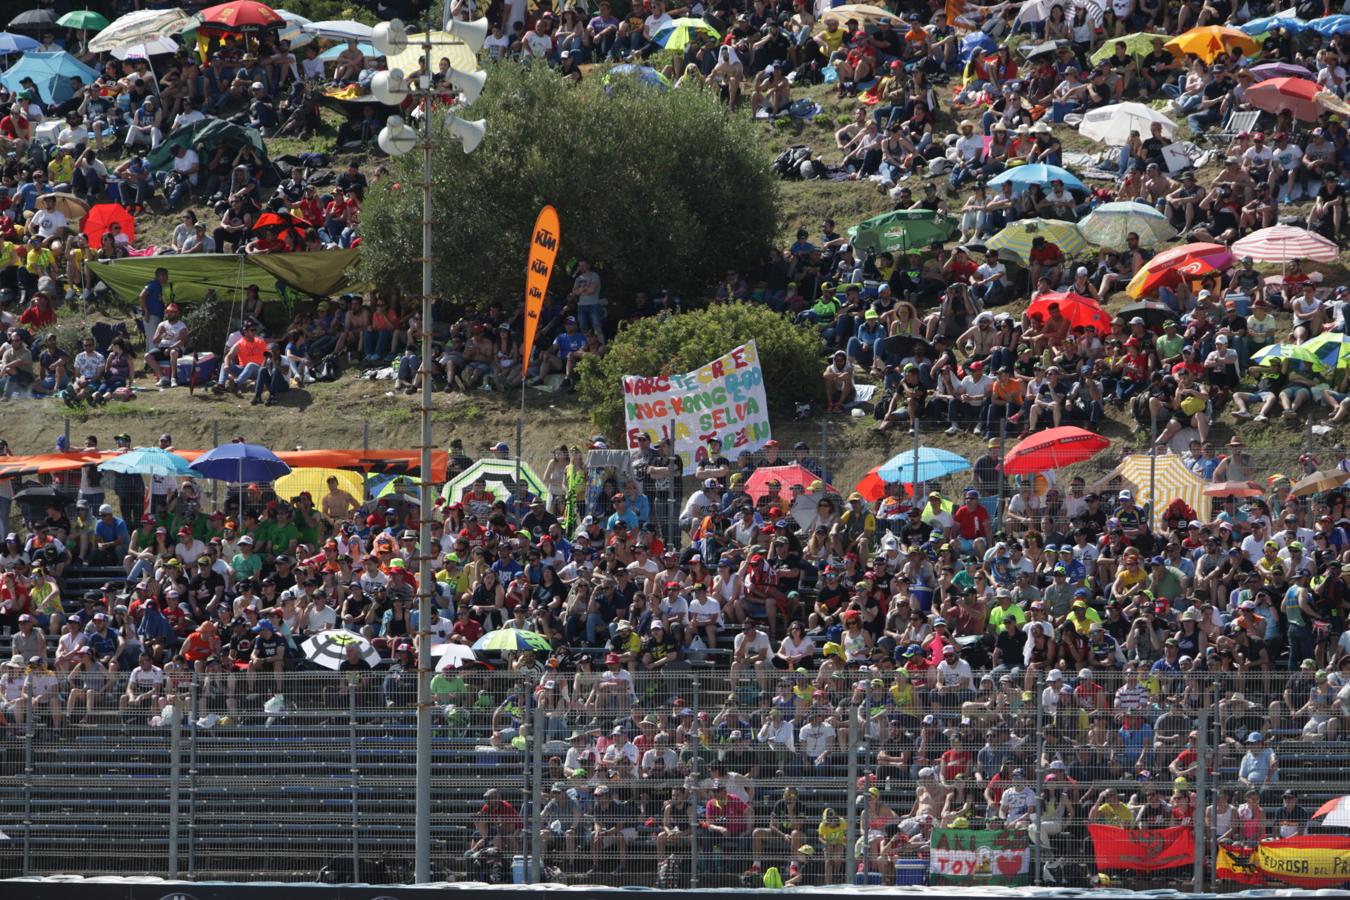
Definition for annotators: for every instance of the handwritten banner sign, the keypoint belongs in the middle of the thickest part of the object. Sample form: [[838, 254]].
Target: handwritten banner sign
[[966, 856], [724, 399]]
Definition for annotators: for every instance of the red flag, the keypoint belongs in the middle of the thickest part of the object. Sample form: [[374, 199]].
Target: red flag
[[1142, 849], [543, 250]]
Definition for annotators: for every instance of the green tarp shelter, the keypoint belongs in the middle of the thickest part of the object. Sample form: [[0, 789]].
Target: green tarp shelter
[[211, 132], [321, 273]]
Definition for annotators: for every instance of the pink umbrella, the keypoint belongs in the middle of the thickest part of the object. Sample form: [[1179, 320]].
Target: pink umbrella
[[1303, 98], [757, 485]]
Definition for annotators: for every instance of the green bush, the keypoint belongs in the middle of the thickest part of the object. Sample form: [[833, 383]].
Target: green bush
[[658, 188], [328, 10], [789, 355]]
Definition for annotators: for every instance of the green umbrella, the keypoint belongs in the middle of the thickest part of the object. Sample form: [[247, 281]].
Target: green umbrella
[[679, 34], [513, 639], [1139, 44], [83, 19], [902, 229]]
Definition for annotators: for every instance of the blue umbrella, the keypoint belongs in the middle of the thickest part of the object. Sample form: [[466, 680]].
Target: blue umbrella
[[976, 42], [333, 52], [1329, 26], [1261, 26], [16, 43], [148, 461], [239, 463], [1037, 173], [933, 463], [51, 72]]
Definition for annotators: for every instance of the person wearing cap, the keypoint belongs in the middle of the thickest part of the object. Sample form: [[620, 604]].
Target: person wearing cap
[[1259, 768], [970, 399]]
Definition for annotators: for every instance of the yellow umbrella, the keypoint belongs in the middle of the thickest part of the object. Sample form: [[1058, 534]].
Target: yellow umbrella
[[1208, 41], [444, 46], [1169, 478], [1017, 237], [316, 482]]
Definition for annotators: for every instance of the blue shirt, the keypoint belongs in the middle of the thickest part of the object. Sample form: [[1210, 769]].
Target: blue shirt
[[629, 517], [154, 298], [568, 344], [116, 530]]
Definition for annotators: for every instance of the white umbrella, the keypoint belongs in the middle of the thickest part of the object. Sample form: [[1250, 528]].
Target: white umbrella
[[140, 26], [1112, 125], [1281, 243], [340, 30], [329, 648], [145, 49], [1337, 812], [295, 29], [453, 656]]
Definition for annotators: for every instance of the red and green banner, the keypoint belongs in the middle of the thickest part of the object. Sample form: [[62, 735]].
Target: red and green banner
[[1142, 849], [1306, 861], [966, 856]]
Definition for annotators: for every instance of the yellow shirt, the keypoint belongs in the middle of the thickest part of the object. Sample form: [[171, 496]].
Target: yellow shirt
[[39, 260], [832, 39], [61, 169], [832, 835], [1115, 814], [8, 255]]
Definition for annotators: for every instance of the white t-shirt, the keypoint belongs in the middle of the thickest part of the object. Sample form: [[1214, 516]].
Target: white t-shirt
[[186, 162], [986, 270], [48, 222], [653, 24], [496, 46], [976, 388], [184, 119], [172, 333], [760, 645], [968, 149], [705, 610], [144, 680], [536, 44], [957, 673], [1257, 157], [1287, 156]]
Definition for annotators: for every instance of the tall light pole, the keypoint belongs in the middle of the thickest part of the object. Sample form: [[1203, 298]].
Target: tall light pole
[[396, 138]]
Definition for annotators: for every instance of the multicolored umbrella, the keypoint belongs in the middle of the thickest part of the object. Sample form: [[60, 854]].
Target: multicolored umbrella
[[502, 471], [241, 15], [928, 464], [1109, 224], [1016, 238], [1281, 243], [1208, 41], [1294, 352], [1053, 448], [1188, 262], [757, 485], [680, 33], [645, 74], [1331, 348], [101, 217], [139, 27], [1079, 310], [512, 639], [902, 229], [84, 20], [1304, 99], [328, 649], [1111, 125], [1022, 177]]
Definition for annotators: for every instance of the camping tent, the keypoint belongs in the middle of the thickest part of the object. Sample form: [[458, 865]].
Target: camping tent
[[211, 132], [1171, 480], [51, 72]]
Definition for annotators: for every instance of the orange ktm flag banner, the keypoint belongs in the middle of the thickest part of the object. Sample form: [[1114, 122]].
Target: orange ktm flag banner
[[543, 251]]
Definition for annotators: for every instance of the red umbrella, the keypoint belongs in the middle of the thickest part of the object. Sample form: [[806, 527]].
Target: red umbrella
[[1079, 310], [1053, 448], [871, 487], [757, 485], [104, 215], [284, 223], [1304, 98], [241, 15], [1235, 489]]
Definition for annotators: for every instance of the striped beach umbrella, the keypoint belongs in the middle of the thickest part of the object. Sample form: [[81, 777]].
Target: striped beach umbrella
[[1017, 237], [1159, 480], [1281, 243], [1109, 224]]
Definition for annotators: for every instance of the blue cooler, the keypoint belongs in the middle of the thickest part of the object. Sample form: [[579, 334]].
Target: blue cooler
[[206, 368], [911, 871]]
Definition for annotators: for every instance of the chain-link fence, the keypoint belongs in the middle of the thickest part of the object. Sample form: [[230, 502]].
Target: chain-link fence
[[1157, 775]]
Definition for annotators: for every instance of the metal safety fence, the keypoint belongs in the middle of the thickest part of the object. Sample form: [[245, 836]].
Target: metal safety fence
[[1062, 769]]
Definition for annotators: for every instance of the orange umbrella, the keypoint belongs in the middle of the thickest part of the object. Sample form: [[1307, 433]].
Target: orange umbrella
[[241, 15], [101, 217], [1208, 41], [1235, 489]]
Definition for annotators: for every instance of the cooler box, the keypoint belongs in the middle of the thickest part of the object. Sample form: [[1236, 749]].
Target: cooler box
[[207, 364], [910, 871]]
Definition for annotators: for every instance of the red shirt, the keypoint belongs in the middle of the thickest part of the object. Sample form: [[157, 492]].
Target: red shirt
[[11, 127], [502, 814], [469, 629], [956, 762], [971, 521], [962, 270], [37, 317], [1047, 254]]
